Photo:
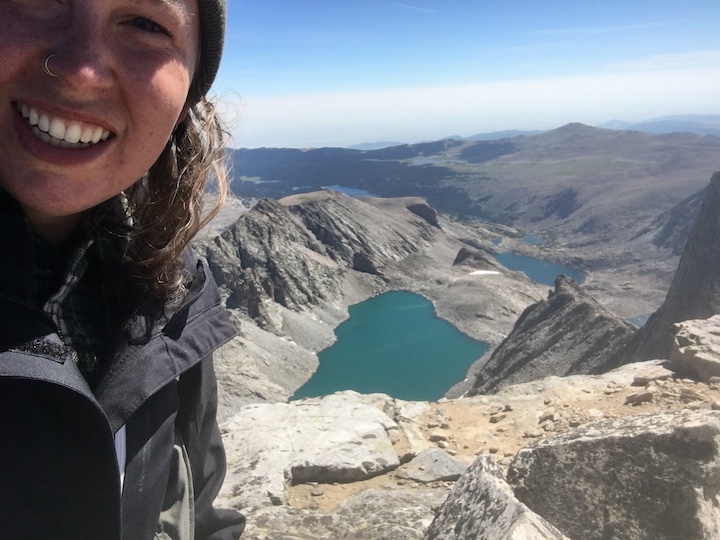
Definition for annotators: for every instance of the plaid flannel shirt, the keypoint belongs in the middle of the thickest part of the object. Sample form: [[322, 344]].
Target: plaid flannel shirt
[[78, 291]]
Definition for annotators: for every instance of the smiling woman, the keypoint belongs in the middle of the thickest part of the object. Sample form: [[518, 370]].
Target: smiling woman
[[115, 71], [107, 321]]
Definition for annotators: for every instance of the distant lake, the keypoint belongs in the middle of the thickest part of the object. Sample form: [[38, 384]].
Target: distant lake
[[534, 239], [394, 344], [538, 270], [352, 192]]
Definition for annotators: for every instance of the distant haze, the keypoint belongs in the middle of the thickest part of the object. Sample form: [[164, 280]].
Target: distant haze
[[300, 74]]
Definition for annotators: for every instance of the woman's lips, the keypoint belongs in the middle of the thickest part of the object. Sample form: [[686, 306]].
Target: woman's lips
[[62, 132]]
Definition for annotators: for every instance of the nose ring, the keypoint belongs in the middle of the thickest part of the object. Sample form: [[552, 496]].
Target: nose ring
[[46, 66]]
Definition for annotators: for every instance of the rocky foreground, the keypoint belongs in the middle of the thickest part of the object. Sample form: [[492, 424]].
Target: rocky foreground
[[627, 454]]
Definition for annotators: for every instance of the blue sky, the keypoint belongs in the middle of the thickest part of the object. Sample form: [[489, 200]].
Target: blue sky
[[309, 73]]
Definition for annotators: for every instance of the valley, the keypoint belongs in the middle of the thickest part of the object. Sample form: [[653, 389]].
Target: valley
[[615, 204]]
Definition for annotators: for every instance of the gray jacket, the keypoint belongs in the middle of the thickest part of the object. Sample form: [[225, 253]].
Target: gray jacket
[[141, 456]]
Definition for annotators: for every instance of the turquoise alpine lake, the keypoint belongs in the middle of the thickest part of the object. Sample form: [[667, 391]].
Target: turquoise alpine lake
[[538, 270], [394, 344]]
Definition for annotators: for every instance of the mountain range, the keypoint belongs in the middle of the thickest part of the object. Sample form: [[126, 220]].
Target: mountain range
[[607, 201], [700, 124], [567, 178]]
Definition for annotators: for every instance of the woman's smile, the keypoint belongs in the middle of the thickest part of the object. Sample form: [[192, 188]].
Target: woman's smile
[[62, 132], [46, 138]]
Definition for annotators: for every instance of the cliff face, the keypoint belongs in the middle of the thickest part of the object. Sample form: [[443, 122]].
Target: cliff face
[[695, 290], [295, 254], [246, 257], [357, 235], [672, 228], [569, 333]]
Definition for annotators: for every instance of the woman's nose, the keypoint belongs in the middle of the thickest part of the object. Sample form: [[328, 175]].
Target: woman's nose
[[82, 59]]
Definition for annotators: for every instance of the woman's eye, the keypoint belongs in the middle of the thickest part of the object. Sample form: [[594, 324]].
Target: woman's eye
[[148, 25]]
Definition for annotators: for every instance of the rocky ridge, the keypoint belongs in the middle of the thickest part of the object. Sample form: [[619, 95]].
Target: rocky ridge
[[568, 333]]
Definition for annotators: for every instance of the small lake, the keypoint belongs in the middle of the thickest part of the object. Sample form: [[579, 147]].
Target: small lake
[[394, 344], [538, 270], [534, 239], [352, 192]]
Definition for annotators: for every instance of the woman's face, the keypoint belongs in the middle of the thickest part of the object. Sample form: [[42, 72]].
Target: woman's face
[[123, 69]]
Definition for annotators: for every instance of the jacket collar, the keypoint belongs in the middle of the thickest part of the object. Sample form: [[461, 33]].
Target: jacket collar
[[150, 354], [151, 350]]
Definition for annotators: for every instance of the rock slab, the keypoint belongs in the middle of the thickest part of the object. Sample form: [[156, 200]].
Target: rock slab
[[433, 465], [375, 514], [645, 477], [332, 439], [482, 505], [696, 350]]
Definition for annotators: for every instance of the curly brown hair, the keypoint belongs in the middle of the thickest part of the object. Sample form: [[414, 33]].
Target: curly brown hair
[[165, 208]]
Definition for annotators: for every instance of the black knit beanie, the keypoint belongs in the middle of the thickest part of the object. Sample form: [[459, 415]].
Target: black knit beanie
[[212, 39]]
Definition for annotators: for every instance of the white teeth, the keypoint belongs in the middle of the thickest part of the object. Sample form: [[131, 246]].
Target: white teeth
[[87, 135], [56, 142], [42, 135], [60, 133], [43, 123], [73, 133], [57, 129]]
